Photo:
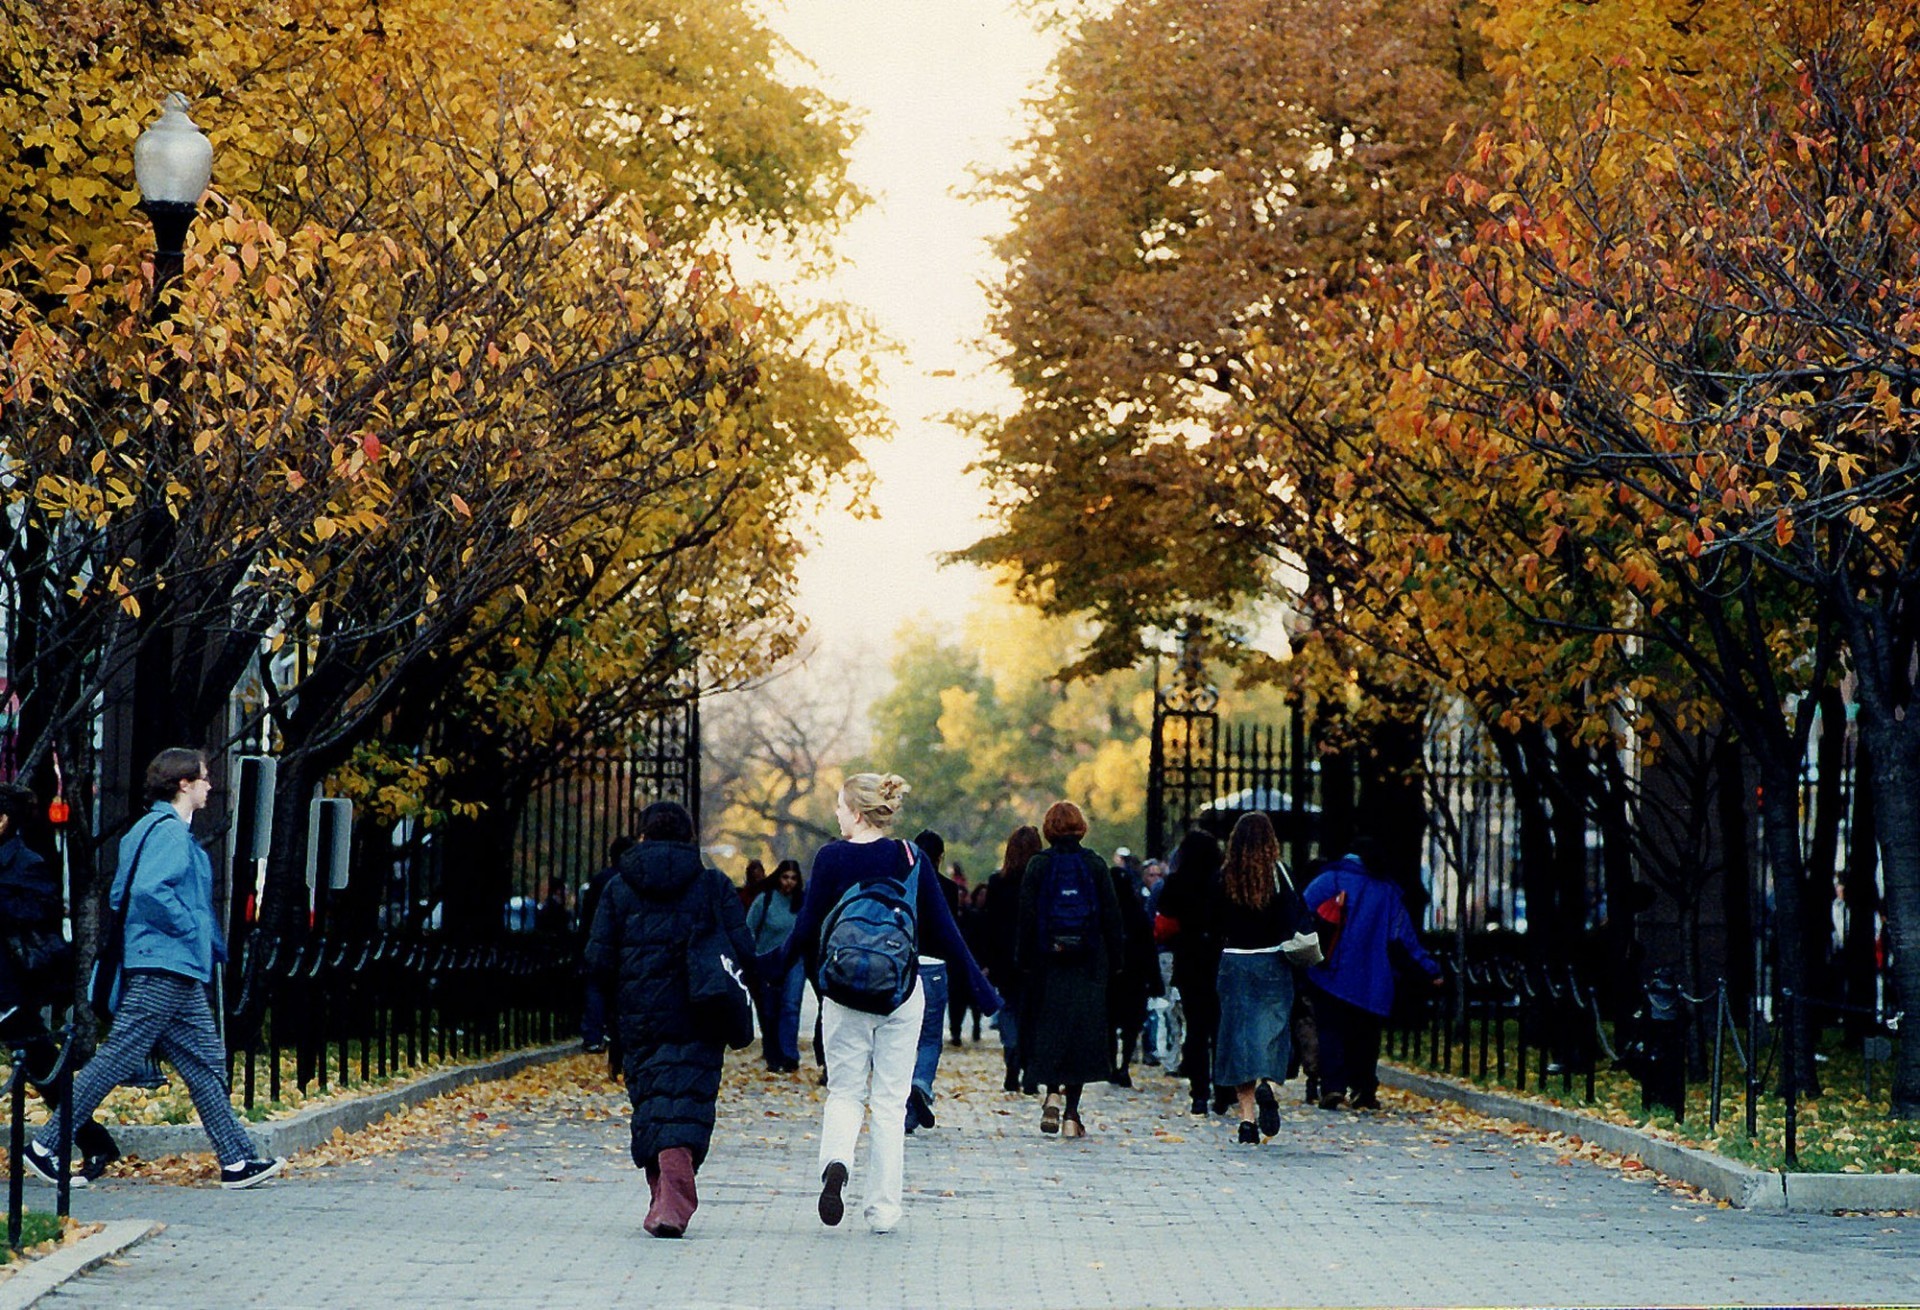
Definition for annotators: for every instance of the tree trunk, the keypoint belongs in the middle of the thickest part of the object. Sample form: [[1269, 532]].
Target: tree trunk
[[1736, 876], [477, 869], [1823, 851], [1620, 973], [1780, 830], [1859, 969], [1894, 754]]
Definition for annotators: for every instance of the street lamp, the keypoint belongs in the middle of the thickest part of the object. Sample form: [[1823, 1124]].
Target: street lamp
[[172, 162]]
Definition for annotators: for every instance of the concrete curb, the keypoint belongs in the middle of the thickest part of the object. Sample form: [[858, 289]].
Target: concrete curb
[[311, 1127], [1723, 1179], [35, 1280]]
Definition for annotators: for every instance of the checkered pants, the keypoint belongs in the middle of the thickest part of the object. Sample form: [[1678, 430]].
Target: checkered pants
[[168, 1012]]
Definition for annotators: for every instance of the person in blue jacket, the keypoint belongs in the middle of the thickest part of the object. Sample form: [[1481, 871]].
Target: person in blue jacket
[[1353, 988], [165, 882]]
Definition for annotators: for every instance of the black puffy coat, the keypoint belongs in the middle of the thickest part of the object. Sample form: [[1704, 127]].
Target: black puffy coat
[[662, 896]]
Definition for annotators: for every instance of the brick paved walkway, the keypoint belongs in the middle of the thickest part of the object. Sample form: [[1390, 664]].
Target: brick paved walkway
[[1153, 1209]]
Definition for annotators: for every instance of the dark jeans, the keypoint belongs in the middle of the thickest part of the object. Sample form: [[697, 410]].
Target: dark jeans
[[926, 1062], [779, 1005], [593, 1013], [1202, 1005], [1349, 1048]]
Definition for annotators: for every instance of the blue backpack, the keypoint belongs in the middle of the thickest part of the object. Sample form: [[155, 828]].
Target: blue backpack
[[870, 943], [1069, 909]]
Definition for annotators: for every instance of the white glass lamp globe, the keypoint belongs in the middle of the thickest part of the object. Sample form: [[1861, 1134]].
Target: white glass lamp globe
[[173, 160]]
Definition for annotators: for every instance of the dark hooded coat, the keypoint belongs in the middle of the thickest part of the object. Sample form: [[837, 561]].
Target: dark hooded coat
[[661, 896]]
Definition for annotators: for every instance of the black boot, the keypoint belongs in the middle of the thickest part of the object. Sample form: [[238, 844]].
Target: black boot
[[1012, 1083]]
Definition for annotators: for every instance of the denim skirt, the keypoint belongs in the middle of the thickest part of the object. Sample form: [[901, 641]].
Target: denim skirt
[[1256, 1001]]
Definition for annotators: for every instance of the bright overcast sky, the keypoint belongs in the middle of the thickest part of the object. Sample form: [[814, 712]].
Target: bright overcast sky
[[939, 84]]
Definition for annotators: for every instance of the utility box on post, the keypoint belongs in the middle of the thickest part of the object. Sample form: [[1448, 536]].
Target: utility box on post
[[329, 843]]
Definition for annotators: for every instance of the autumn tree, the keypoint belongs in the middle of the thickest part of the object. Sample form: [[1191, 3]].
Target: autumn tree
[[433, 366], [1200, 176]]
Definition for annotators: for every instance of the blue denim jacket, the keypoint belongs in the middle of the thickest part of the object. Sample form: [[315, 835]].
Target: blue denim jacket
[[171, 924]]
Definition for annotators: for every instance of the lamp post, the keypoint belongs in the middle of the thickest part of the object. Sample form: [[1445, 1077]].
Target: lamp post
[[172, 162]]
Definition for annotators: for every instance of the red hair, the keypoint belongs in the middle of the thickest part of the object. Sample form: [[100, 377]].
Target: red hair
[[1063, 820]]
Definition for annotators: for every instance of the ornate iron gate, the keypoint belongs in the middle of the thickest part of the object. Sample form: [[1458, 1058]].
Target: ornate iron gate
[[569, 823], [1206, 772]]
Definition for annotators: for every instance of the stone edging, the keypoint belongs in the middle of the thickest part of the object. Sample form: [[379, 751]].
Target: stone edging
[[314, 1125], [42, 1276], [1719, 1177]]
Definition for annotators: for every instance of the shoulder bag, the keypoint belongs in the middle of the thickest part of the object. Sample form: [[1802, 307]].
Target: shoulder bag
[[717, 991]]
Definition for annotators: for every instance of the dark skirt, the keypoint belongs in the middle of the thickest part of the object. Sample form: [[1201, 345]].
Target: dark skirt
[[1065, 1036], [1256, 1001]]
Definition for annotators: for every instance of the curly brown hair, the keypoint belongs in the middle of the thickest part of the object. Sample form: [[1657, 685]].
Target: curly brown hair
[[1252, 853]]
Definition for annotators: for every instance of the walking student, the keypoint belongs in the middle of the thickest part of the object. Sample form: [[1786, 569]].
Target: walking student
[[871, 902], [1185, 906], [1069, 946], [936, 983], [770, 919], [662, 899], [1003, 936], [1257, 912], [163, 887], [1353, 988]]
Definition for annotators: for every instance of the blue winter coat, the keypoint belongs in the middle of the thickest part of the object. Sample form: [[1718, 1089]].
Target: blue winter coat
[[1361, 970], [171, 923]]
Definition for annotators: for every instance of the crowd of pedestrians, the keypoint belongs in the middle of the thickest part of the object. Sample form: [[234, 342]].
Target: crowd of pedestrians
[[1081, 965]]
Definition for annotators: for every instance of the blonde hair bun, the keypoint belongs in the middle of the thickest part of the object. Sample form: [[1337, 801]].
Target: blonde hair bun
[[875, 797]]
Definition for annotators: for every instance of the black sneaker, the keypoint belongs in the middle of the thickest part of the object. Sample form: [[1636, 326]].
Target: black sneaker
[[919, 1110], [95, 1165], [832, 1208], [41, 1164], [249, 1172], [1120, 1078], [1199, 1107], [1269, 1109], [1249, 1135]]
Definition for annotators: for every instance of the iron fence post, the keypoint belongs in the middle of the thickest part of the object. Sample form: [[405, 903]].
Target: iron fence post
[[1791, 1074], [16, 1147], [1719, 1050]]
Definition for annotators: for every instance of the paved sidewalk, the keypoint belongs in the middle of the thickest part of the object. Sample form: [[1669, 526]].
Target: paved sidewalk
[[1152, 1209]]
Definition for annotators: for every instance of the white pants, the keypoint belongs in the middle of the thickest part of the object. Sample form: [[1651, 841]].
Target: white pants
[[870, 1066]]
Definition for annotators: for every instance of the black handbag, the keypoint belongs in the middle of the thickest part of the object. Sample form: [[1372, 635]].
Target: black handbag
[[717, 989], [113, 942]]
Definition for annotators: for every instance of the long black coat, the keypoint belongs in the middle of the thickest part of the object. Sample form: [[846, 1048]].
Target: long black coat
[[1065, 1034], [647, 915]]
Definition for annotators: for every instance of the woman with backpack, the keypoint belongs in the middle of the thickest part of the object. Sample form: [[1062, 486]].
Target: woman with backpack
[[1068, 947], [1257, 912], [872, 905], [662, 898]]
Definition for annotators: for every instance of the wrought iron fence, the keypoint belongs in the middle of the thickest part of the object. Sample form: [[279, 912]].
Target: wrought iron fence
[[323, 1012], [1528, 1027]]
